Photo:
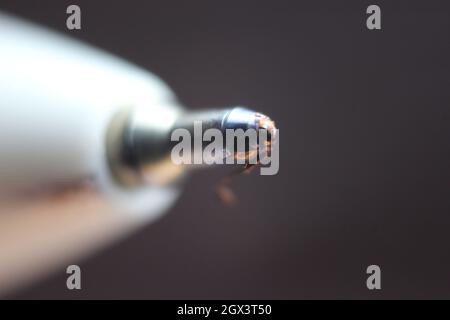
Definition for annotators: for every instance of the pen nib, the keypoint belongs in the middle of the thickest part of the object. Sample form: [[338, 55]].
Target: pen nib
[[245, 119]]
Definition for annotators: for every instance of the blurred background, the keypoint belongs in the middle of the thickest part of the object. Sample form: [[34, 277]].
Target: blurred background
[[364, 158]]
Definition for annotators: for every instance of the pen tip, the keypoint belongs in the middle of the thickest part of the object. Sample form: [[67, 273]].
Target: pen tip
[[264, 122], [244, 118]]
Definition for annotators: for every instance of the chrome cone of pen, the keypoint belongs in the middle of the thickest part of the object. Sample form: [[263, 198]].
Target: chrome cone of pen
[[143, 152]]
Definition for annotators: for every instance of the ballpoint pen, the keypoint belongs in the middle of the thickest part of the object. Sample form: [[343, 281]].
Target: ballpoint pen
[[85, 148]]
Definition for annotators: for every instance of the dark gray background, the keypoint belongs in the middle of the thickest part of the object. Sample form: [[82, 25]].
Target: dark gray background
[[364, 175]]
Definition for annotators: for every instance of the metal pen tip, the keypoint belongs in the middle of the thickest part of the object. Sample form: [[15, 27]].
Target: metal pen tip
[[244, 118], [140, 152]]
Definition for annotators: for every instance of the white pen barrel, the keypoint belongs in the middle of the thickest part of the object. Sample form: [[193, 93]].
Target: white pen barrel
[[57, 195]]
